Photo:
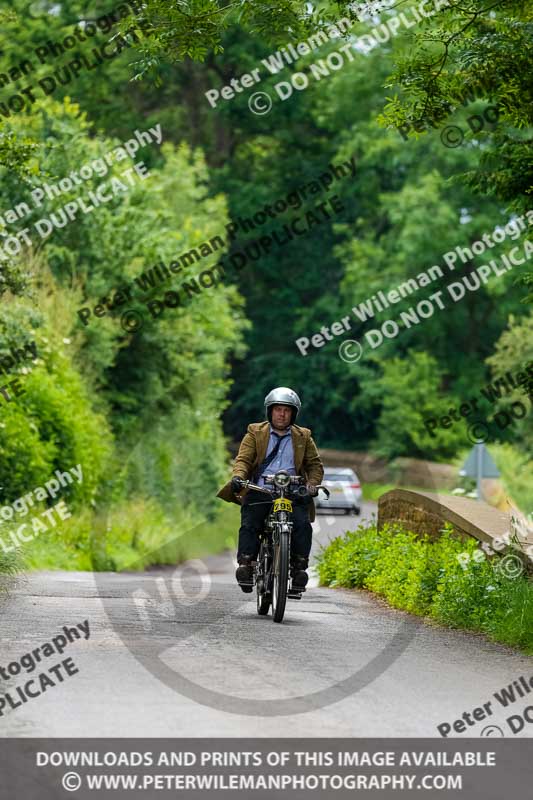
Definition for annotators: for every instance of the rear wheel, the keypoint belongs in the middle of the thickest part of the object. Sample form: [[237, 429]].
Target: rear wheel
[[263, 597], [280, 578], [263, 603]]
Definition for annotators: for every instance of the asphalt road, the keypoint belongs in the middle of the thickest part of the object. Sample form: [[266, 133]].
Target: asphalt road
[[183, 653]]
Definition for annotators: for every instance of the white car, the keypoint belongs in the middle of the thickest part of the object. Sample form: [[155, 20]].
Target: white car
[[345, 491]]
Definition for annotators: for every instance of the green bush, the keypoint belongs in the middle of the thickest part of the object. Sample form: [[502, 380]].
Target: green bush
[[349, 561], [399, 571], [60, 409], [10, 564], [512, 621], [52, 425], [464, 597], [425, 577], [133, 536], [26, 459]]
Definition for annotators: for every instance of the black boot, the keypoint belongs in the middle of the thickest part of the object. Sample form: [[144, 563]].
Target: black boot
[[245, 573], [298, 572]]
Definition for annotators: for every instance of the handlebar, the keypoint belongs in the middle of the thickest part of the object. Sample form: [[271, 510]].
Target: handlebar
[[294, 479], [250, 485]]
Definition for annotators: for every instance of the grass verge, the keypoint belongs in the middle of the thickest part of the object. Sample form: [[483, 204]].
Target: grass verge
[[10, 564], [133, 536], [424, 577]]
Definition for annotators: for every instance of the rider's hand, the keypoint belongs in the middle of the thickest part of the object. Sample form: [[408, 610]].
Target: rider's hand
[[236, 485], [313, 491]]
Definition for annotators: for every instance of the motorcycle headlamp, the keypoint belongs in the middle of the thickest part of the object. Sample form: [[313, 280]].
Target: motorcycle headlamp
[[282, 479]]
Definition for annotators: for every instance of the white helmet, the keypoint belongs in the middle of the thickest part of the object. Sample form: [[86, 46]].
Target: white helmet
[[284, 396]]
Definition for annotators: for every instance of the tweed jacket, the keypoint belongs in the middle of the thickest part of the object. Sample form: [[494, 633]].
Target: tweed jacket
[[252, 452]]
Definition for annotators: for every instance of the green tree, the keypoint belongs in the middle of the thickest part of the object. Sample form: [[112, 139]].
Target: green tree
[[408, 390], [98, 391], [514, 353], [475, 47]]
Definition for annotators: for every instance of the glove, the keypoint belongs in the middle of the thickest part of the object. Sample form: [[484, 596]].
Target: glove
[[312, 490], [236, 485]]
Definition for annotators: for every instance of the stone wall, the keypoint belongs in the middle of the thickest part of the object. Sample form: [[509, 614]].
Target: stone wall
[[401, 471], [424, 512]]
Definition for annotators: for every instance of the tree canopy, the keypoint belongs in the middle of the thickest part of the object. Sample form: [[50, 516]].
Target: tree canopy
[[150, 409]]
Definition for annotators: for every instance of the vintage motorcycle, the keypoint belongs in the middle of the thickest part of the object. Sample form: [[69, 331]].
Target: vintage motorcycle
[[271, 572]]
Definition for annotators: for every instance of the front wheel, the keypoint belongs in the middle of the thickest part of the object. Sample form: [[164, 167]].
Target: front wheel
[[280, 578]]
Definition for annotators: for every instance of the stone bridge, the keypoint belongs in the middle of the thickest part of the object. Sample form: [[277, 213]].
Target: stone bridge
[[426, 512]]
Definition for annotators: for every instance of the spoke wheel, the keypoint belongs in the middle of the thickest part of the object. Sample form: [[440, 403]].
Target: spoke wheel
[[280, 578], [263, 597]]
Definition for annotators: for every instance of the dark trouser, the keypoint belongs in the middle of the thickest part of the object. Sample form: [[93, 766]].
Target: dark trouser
[[253, 513]]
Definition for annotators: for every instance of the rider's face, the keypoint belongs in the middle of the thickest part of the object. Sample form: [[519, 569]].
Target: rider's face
[[281, 417]]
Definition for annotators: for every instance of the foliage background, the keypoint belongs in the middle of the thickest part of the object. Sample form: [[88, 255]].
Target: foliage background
[[149, 414]]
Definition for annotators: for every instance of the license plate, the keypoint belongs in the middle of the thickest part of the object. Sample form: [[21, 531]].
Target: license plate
[[282, 504], [338, 489]]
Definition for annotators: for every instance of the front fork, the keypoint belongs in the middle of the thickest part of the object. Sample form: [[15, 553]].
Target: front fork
[[282, 526], [278, 526]]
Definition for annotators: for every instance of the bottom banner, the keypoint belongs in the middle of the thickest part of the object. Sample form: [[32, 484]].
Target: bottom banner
[[46, 769]]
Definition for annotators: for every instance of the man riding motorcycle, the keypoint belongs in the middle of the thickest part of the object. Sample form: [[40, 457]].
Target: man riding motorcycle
[[266, 448]]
